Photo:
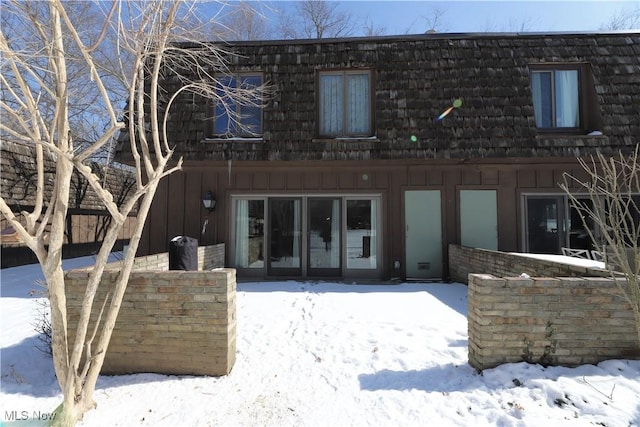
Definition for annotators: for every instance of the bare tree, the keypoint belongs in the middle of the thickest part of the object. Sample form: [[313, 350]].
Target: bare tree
[[435, 22], [609, 198], [243, 21], [623, 20], [37, 103], [316, 19], [373, 30], [85, 115], [513, 25]]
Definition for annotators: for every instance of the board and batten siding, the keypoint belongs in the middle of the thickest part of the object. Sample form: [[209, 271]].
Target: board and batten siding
[[177, 208]]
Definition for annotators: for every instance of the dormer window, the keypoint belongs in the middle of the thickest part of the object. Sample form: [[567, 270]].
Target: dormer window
[[237, 110], [345, 103], [556, 98]]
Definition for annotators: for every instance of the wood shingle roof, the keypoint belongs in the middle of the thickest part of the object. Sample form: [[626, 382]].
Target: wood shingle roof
[[415, 79]]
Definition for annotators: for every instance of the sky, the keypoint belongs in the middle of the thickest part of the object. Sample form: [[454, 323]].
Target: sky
[[412, 17], [322, 354], [480, 16]]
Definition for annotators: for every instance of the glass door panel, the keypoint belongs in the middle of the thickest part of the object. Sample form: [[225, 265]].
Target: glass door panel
[[579, 237], [545, 225], [323, 231], [361, 239], [284, 237], [249, 234]]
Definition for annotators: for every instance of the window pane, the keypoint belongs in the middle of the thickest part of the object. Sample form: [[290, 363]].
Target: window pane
[[567, 110], [251, 114], [579, 237], [331, 104], [285, 233], [358, 104], [324, 233], [541, 91], [361, 234], [544, 225], [224, 104], [235, 116], [249, 234]]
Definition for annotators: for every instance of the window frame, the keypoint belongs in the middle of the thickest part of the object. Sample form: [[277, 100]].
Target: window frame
[[582, 96], [343, 133], [233, 132]]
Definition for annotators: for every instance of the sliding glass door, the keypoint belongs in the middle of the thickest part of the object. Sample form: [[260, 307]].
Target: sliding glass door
[[306, 236], [552, 223]]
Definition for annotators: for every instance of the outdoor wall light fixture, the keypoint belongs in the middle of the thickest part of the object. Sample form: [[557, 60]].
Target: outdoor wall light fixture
[[209, 201]]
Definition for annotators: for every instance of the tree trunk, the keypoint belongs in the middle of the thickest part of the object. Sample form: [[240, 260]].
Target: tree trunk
[[71, 410], [46, 124]]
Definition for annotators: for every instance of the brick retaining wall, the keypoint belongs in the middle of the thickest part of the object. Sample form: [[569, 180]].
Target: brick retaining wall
[[170, 322], [464, 261], [565, 321]]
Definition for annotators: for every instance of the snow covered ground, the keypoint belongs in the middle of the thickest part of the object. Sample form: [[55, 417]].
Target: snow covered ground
[[324, 354]]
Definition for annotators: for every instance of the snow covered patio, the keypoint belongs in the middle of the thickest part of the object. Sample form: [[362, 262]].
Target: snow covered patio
[[326, 354]]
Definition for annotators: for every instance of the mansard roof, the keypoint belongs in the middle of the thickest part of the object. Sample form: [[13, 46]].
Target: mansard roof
[[416, 77]]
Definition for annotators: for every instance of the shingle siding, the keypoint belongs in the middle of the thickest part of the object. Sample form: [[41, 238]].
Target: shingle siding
[[415, 79]]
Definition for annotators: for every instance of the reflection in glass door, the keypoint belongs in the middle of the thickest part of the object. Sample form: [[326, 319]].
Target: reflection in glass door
[[362, 225], [249, 234], [324, 242], [579, 237], [285, 237]]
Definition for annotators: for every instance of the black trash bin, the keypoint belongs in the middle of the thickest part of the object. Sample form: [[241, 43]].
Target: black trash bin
[[183, 253]]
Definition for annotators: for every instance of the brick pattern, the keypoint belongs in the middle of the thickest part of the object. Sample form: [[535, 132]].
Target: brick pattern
[[464, 261], [170, 322], [564, 321], [209, 257]]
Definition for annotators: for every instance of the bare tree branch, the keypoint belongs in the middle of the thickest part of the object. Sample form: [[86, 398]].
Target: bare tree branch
[[623, 20], [50, 63], [316, 19], [610, 199]]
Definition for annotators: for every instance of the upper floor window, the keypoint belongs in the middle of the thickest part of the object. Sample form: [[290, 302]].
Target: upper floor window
[[237, 110], [345, 103], [556, 98]]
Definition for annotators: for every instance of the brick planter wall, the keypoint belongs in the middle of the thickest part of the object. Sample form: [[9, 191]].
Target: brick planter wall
[[565, 321], [464, 261], [170, 322], [209, 257]]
